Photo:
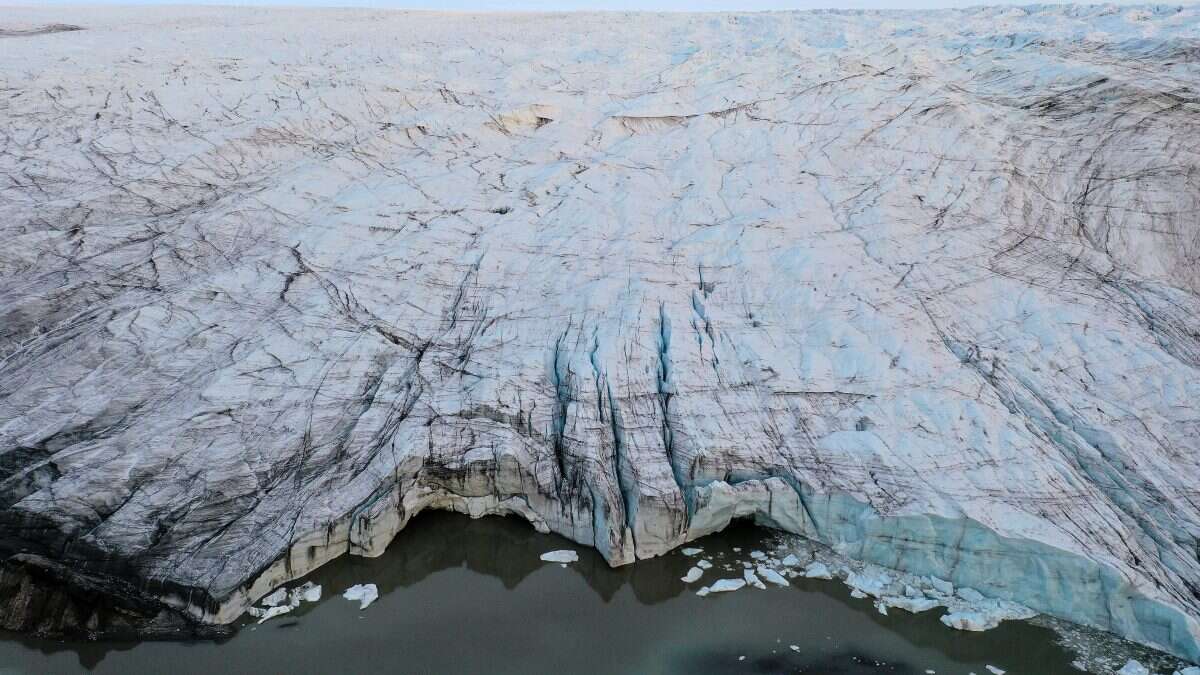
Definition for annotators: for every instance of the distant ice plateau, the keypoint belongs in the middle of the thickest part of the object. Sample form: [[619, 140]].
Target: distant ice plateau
[[921, 286]]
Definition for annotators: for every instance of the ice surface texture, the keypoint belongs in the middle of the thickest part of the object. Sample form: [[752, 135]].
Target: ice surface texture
[[922, 286]]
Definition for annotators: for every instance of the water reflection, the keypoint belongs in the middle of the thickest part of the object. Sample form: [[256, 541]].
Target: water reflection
[[458, 595]]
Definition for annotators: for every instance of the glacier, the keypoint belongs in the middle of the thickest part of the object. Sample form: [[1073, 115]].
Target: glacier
[[920, 286]]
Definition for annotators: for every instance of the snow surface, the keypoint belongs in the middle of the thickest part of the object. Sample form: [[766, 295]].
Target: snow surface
[[274, 281]]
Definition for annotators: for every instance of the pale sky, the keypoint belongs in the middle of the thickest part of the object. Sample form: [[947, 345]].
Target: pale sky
[[571, 5]]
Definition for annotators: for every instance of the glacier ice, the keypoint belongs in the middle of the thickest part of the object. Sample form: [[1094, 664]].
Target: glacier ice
[[752, 579], [365, 594], [561, 556], [771, 576], [1132, 667], [933, 282], [817, 570], [277, 597], [970, 620], [727, 585]]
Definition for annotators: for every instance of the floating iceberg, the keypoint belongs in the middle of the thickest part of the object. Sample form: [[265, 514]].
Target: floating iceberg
[[365, 594], [726, 585], [563, 556]]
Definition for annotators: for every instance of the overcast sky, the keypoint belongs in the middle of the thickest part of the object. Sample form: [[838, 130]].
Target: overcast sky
[[561, 5]]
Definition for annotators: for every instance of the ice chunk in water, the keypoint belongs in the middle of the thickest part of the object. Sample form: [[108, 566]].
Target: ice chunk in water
[[563, 556], [364, 593]]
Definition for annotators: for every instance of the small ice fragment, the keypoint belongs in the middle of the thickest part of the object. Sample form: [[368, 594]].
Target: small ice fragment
[[881, 606], [277, 597], [753, 579], [910, 604], [726, 585], [871, 582], [692, 575], [308, 592], [771, 576], [942, 586], [741, 658], [791, 561], [704, 565], [857, 594], [929, 672], [561, 556], [276, 611], [1132, 667], [970, 595], [692, 551], [737, 549], [704, 590], [817, 570], [364, 593], [758, 555], [994, 670], [970, 621], [794, 648]]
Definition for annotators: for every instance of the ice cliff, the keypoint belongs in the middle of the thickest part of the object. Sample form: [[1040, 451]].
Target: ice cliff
[[920, 286]]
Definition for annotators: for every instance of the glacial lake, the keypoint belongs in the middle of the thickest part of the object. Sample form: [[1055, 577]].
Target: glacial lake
[[472, 596]]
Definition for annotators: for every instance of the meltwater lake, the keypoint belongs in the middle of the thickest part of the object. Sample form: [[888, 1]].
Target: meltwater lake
[[472, 596]]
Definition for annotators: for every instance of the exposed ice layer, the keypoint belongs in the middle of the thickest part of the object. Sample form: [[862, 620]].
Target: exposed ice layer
[[1027, 572], [921, 286]]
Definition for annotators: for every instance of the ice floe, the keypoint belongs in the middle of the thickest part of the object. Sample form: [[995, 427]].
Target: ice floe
[[365, 594], [563, 556]]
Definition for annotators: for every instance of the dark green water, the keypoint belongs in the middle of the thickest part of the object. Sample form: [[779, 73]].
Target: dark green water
[[464, 596]]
